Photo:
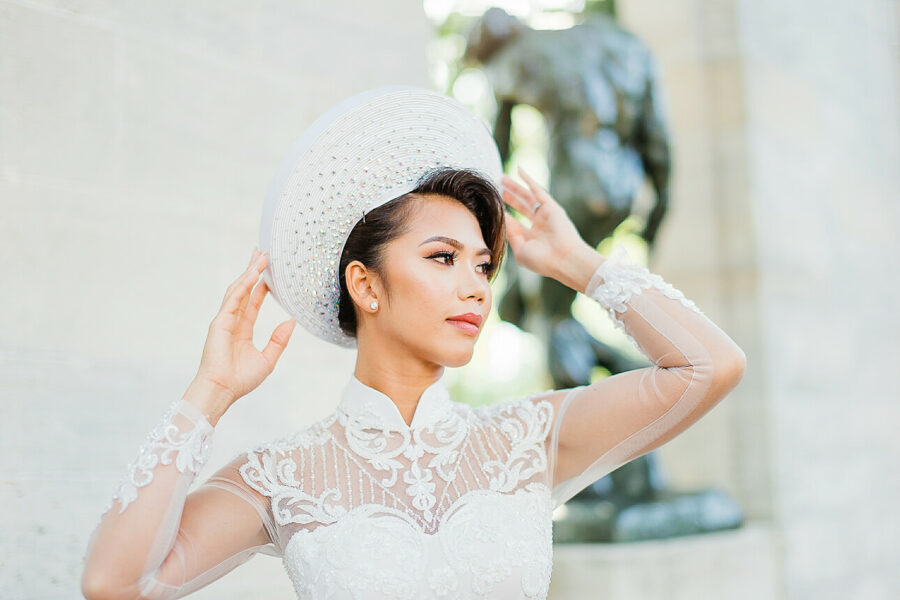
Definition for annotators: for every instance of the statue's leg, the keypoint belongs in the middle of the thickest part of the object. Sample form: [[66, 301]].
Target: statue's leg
[[570, 357]]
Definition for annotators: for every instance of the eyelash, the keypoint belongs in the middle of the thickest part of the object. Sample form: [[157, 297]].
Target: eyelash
[[488, 266]]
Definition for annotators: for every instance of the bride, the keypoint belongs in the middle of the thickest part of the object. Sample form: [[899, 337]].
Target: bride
[[382, 232]]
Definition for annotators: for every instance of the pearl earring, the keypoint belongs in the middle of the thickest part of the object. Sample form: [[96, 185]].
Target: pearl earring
[[373, 305]]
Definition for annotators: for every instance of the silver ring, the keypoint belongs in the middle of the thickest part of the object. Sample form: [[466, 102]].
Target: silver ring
[[536, 207]]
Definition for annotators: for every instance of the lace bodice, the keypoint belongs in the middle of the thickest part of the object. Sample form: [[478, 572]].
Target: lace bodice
[[457, 504], [399, 501]]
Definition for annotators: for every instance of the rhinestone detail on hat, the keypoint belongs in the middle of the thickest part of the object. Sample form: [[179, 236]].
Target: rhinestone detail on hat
[[366, 157]]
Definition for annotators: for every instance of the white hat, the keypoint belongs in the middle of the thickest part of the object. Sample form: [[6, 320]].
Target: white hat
[[365, 151]]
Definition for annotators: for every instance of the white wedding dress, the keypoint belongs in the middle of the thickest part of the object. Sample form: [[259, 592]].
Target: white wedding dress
[[456, 505]]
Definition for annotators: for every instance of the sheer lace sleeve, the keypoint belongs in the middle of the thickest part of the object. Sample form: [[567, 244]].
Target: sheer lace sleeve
[[599, 427], [155, 540]]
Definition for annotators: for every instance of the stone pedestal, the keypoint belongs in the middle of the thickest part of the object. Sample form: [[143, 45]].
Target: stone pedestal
[[737, 565]]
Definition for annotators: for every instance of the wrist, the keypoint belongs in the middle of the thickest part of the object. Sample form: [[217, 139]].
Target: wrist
[[208, 398], [578, 266]]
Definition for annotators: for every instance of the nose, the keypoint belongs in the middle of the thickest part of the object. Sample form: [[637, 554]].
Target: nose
[[473, 285]]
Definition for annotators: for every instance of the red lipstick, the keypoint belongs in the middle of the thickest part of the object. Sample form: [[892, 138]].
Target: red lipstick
[[468, 322]]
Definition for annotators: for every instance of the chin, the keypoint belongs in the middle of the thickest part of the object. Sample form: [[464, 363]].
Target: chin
[[451, 351], [455, 364], [458, 359]]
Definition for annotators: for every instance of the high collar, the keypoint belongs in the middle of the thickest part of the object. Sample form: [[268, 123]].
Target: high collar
[[373, 409]]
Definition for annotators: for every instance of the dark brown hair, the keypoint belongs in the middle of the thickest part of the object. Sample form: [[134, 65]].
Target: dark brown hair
[[381, 225]]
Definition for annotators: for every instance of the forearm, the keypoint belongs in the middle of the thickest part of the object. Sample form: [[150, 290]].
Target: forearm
[[635, 298], [139, 527], [613, 420]]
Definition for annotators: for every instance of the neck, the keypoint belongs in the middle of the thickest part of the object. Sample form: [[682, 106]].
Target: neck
[[403, 381]]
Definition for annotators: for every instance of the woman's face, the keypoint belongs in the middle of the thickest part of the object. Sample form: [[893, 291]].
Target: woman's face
[[436, 271]]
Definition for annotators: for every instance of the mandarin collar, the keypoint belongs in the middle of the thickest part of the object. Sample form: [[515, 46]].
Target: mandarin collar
[[373, 409]]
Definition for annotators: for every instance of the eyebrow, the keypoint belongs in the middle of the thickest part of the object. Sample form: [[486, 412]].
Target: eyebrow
[[456, 244]]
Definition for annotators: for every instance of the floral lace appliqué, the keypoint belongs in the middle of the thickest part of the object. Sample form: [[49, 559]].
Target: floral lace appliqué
[[186, 443], [381, 447], [525, 425], [456, 508], [619, 278]]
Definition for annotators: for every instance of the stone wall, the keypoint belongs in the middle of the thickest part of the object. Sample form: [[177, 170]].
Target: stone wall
[[787, 133], [137, 141]]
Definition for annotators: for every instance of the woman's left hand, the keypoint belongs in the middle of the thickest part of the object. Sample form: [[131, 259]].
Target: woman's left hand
[[552, 237]]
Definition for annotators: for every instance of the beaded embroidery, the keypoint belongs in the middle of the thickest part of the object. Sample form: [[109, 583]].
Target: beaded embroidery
[[363, 481], [187, 444], [618, 279]]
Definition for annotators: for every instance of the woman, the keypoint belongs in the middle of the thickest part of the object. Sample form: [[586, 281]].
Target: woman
[[402, 492]]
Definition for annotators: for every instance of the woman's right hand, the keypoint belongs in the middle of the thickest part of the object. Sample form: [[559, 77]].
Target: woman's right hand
[[231, 366]]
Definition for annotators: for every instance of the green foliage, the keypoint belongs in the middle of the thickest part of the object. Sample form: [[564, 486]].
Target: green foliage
[[600, 6]]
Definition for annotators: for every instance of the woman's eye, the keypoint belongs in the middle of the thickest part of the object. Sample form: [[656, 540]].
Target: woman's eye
[[439, 255], [487, 267]]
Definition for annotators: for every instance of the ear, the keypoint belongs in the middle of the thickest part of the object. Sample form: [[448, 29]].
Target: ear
[[363, 285]]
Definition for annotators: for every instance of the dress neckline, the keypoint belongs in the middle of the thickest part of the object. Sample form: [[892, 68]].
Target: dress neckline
[[373, 409]]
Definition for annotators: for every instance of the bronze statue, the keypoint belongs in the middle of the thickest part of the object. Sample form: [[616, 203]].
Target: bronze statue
[[596, 86]]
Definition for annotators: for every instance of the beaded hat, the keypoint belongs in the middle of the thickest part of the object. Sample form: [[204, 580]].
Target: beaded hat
[[365, 151]]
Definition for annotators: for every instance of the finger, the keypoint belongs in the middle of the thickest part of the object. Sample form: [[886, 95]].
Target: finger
[[248, 318], [517, 188], [525, 196], [238, 291], [246, 329], [539, 192], [515, 233], [278, 341], [518, 200], [240, 278], [253, 258], [509, 182], [245, 299]]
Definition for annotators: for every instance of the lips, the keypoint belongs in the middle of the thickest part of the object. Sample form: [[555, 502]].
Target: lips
[[467, 323], [468, 318]]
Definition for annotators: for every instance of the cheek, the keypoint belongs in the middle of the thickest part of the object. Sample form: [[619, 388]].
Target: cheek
[[422, 299], [421, 296], [430, 300]]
